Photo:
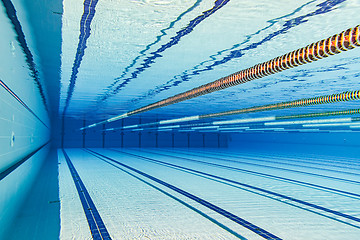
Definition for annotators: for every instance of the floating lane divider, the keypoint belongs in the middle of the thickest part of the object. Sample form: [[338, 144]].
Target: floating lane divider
[[333, 98], [346, 40], [322, 114], [20, 101], [96, 225], [275, 194], [261, 232], [251, 122]]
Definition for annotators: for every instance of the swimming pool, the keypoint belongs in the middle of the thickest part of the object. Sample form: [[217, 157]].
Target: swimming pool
[[179, 119]]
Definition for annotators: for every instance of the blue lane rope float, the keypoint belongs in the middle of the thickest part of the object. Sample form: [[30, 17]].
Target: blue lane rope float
[[346, 40]]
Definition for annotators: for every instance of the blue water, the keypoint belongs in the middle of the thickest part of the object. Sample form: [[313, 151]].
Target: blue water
[[75, 165]]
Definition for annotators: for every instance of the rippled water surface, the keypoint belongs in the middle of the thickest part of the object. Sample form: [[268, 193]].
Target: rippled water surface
[[121, 55]]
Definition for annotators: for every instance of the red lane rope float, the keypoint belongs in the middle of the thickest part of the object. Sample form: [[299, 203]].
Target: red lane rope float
[[338, 97], [335, 44]]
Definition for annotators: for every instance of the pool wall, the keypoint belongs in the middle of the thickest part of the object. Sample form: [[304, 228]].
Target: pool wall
[[29, 75]]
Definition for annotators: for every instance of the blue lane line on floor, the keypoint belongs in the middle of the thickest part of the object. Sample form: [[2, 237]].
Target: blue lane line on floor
[[251, 187], [96, 225], [277, 168], [171, 196], [351, 194], [282, 163], [261, 232], [280, 159]]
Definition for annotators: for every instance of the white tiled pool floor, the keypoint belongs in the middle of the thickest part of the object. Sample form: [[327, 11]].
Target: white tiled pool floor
[[197, 194]]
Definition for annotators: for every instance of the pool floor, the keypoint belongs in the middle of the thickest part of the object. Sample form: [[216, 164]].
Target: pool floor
[[128, 193]]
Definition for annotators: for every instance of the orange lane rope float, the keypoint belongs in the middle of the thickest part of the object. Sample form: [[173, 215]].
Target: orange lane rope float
[[335, 44], [326, 99], [344, 41]]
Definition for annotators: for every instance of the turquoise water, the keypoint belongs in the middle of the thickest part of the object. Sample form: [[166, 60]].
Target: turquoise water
[[90, 150], [170, 193], [149, 50]]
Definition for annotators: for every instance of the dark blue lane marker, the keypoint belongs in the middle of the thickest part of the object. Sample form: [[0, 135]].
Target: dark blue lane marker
[[312, 185], [341, 165], [17, 98], [172, 196], [11, 13], [174, 41], [349, 163], [96, 225], [261, 232], [345, 163], [312, 165], [278, 168], [236, 52], [85, 22], [328, 158], [9, 170], [269, 161], [252, 187]]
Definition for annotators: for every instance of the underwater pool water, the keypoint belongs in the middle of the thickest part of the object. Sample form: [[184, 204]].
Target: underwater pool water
[[179, 119]]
